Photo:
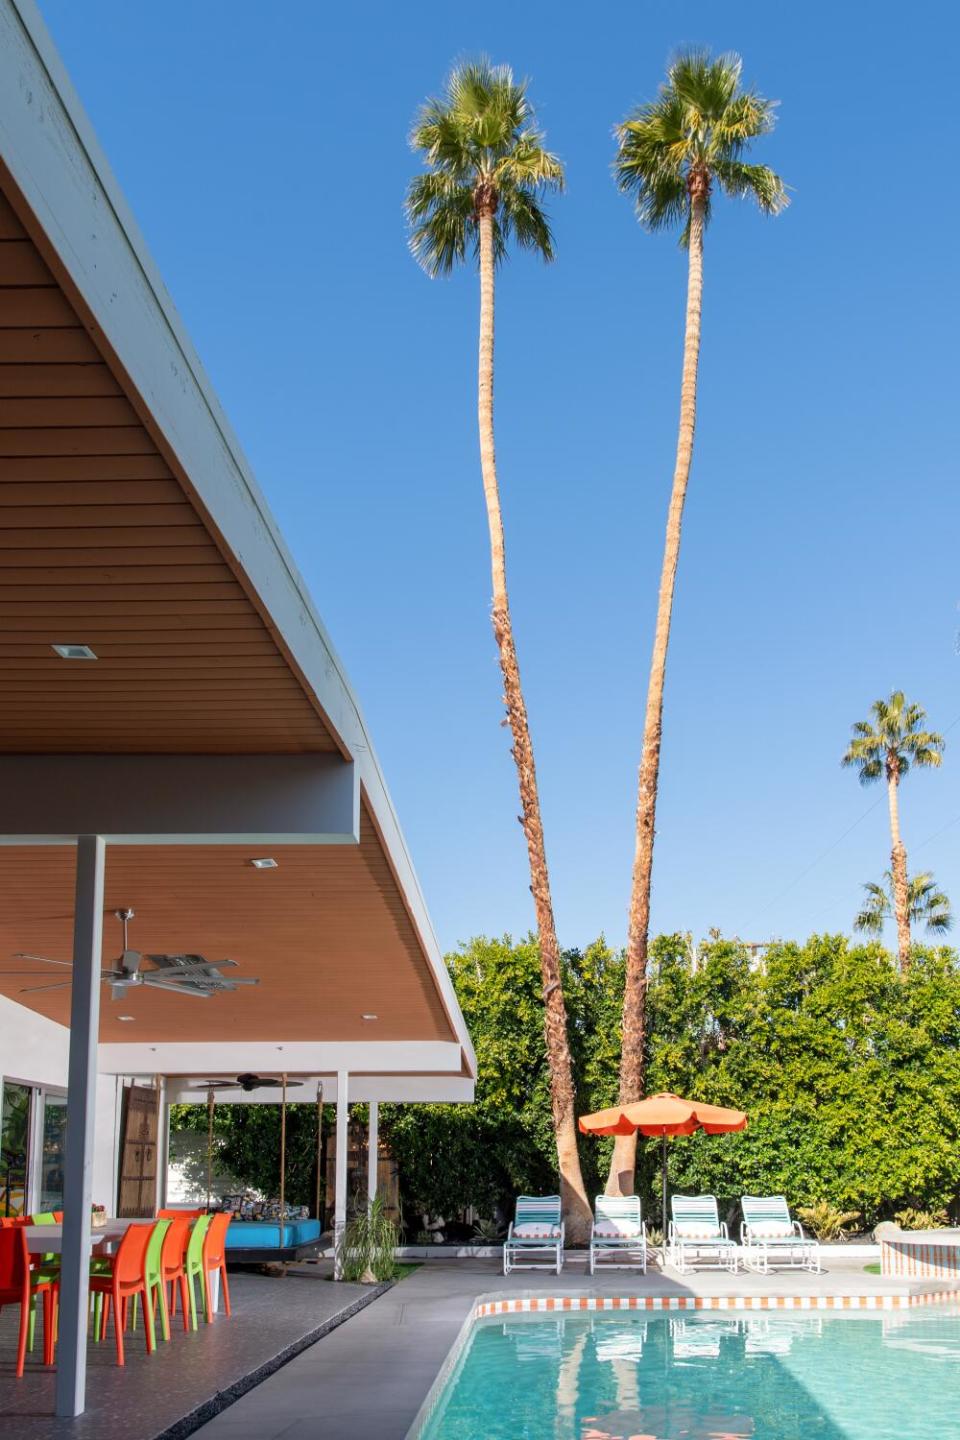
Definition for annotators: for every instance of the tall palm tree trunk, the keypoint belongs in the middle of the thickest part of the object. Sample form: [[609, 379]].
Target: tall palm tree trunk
[[575, 1205], [620, 1180], [898, 871]]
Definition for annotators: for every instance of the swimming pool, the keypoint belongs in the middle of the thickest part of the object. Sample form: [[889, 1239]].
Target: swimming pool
[[704, 1376]]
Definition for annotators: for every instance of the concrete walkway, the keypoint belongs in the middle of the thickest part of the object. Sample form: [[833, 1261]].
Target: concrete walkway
[[184, 1382], [370, 1376]]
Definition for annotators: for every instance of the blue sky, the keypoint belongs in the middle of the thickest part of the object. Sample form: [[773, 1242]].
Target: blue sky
[[264, 153]]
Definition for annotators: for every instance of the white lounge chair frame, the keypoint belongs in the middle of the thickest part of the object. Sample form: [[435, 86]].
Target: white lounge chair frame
[[697, 1233], [543, 1211], [618, 1210], [793, 1250]]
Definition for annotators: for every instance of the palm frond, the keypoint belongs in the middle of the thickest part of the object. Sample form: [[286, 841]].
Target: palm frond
[[442, 223], [757, 182], [520, 217]]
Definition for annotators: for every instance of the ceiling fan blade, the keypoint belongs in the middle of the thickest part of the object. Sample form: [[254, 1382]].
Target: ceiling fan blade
[[230, 982], [22, 972], [57, 985], [174, 989], [45, 959]]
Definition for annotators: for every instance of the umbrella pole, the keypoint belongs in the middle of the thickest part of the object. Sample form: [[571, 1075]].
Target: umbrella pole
[[663, 1202]]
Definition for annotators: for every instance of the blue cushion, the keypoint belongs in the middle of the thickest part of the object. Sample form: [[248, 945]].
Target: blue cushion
[[265, 1234]]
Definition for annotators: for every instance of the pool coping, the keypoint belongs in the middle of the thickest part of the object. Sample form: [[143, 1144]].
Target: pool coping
[[492, 1305]]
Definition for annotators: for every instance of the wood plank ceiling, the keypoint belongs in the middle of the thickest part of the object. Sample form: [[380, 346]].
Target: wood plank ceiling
[[100, 545], [326, 933]]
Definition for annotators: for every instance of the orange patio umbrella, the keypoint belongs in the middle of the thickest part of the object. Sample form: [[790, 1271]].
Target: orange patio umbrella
[[663, 1115]]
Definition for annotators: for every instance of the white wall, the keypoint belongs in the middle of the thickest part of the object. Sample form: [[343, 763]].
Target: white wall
[[32, 1048], [36, 1050]]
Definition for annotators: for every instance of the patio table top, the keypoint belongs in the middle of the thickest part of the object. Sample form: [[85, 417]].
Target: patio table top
[[48, 1239]]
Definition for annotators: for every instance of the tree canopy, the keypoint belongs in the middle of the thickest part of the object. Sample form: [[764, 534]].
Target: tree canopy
[[692, 136], [481, 146]]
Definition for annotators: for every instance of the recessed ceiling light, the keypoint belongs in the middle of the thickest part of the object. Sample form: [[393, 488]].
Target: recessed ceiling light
[[124, 1017], [369, 1017], [75, 652], [264, 864]]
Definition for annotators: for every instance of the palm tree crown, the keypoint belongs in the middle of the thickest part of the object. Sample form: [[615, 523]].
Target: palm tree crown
[[927, 905], [672, 150], [894, 743], [484, 152]]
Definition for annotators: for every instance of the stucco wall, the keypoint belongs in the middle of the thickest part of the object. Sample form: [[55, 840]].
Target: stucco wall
[[36, 1050]]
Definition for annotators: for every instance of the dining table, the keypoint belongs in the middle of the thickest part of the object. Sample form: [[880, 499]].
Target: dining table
[[104, 1239]]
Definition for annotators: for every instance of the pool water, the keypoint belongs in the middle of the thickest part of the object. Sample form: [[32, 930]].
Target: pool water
[[722, 1376]]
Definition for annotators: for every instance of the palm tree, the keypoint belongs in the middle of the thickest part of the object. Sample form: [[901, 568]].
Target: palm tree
[[487, 171], [672, 155], [888, 749], [926, 905]]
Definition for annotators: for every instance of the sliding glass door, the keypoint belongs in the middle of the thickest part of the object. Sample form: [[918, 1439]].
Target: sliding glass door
[[53, 1137]]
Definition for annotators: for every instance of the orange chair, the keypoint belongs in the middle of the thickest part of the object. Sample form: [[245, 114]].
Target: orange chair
[[172, 1270], [214, 1258], [125, 1279], [176, 1214], [19, 1287]]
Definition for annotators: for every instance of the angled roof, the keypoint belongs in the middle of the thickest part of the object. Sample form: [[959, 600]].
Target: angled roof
[[132, 523]]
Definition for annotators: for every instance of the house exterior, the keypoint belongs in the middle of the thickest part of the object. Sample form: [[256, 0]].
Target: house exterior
[[172, 711]]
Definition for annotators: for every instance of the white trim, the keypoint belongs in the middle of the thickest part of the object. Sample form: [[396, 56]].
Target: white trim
[[271, 1057], [340, 1171]]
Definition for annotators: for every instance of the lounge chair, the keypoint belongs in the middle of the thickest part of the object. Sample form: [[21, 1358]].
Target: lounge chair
[[618, 1231], [768, 1235], [697, 1233], [536, 1229]]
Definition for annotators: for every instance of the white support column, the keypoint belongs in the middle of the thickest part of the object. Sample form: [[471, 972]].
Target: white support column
[[373, 1149], [163, 1143], [81, 1100], [340, 1178]]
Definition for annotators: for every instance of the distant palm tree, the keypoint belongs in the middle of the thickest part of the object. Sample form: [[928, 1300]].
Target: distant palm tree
[[888, 749], [926, 905], [673, 153], [487, 172]]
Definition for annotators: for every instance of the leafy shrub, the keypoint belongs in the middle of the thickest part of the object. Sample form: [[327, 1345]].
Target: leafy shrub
[[911, 1219], [367, 1245], [827, 1222], [488, 1231]]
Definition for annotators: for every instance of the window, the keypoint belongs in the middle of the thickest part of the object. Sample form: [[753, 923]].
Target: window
[[14, 1148]]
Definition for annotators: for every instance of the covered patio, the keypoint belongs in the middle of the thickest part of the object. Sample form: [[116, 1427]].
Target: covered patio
[[179, 740]]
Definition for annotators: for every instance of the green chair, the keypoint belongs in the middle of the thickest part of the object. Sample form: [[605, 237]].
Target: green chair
[[154, 1280], [193, 1266], [45, 1270]]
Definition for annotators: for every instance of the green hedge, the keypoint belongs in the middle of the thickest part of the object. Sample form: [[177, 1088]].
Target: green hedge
[[851, 1076]]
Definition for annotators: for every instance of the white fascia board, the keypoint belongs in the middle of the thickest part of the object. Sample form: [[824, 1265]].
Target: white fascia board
[[225, 1058], [50, 149]]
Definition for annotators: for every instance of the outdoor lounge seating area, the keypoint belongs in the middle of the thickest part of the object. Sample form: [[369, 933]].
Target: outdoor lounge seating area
[[697, 1239]]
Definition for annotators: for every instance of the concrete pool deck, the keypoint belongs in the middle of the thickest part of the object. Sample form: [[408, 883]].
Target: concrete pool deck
[[369, 1377]]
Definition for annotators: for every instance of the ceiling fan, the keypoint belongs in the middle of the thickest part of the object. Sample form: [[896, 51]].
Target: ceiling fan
[[181, 974], [245, 1082]]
